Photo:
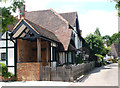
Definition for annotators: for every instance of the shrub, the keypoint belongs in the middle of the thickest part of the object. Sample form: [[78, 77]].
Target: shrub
[[4, 71], [79, 59], [4, 68], [8, 75], [114, 60], [100, 57]]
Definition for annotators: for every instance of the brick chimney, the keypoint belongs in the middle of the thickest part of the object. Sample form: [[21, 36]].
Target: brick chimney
[[21, 12]]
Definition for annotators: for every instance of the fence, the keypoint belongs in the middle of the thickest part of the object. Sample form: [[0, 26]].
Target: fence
[[65, 73], [36, 72]]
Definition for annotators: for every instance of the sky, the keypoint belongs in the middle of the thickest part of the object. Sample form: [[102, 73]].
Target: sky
[[91, 13]]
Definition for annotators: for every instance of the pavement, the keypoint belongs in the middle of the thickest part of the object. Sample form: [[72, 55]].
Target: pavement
[[101, 76]]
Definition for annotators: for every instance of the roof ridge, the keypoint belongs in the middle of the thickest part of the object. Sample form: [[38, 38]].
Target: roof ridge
[[57, 14], [68, 12], [37, 10]]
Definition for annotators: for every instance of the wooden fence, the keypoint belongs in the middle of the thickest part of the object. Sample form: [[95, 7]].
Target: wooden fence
[[65, 73]]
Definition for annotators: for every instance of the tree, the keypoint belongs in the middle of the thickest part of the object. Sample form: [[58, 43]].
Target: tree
[[96, 44], [117, 6], [97, 32], [107, 40], [5, 17], [115, 38]]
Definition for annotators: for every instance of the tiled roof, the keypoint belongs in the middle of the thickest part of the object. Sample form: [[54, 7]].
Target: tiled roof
[[70, 17], [51, 20], [43, 32], [71, 48]]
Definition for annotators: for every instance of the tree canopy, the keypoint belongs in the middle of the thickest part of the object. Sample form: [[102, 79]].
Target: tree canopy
[[96, 44], [97, 32], [6, 17], [115, 38], [107, 40], [117, 6]]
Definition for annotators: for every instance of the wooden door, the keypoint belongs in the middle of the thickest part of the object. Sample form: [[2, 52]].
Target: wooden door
[[43, 56]]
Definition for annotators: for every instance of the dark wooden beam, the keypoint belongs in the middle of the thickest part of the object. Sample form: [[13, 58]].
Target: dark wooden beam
[[15, 57], [4, 39], [7, 49], [39, 49]]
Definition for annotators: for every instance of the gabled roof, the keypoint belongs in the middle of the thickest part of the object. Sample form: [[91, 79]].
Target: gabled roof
[[51, 20], [42, 32], [70, 17]]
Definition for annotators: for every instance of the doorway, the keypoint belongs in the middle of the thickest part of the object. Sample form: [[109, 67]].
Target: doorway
[[43, 56]]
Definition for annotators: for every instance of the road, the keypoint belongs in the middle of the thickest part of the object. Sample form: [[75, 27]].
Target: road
[[102, 76]]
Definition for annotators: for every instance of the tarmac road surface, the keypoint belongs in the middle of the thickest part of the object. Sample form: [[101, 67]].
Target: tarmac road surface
[[102, 76]]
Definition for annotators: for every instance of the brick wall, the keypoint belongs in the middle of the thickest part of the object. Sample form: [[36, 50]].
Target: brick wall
[[28, 71]]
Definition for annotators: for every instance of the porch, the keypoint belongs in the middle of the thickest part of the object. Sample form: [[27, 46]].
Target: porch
[[31, 54], [39, 59]]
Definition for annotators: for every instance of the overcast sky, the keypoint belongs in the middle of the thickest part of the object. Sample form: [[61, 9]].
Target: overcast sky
[[91, 13]]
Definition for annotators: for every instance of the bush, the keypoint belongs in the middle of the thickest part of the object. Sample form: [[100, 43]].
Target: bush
[[8, 75], [4, 68], [114, 60], [98, 64], [4, 71], [79, 59], [103, 62], [100, 58], [119, 63]]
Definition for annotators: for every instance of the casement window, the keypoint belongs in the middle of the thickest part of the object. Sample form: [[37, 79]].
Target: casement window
[[3, 56]]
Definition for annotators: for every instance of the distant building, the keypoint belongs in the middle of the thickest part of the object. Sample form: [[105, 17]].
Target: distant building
[[115, 49]]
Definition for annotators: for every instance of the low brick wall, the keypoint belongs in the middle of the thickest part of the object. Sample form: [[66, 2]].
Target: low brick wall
[[28, 71]]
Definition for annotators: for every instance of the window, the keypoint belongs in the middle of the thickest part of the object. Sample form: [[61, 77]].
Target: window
[[54, 54], [61, 57], [3, 56], [69, 57]]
